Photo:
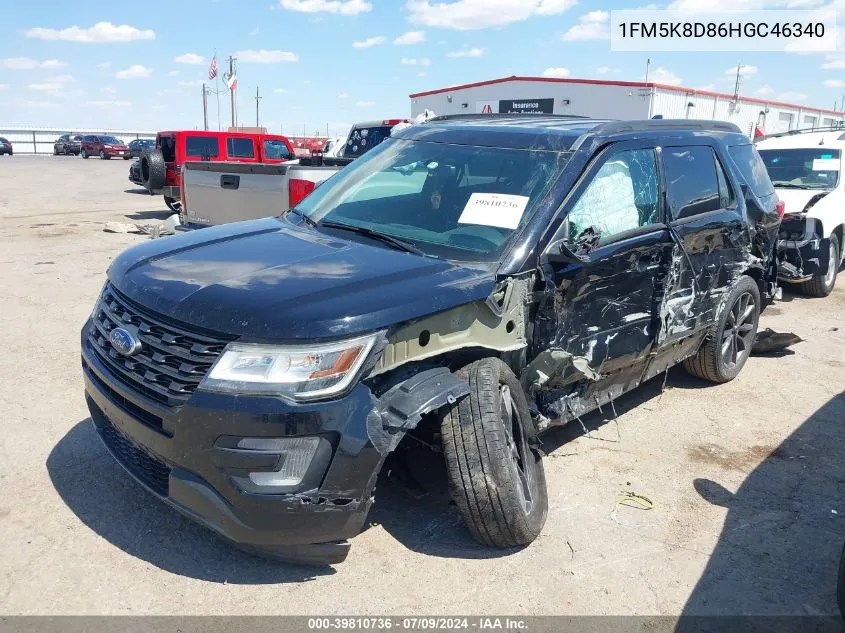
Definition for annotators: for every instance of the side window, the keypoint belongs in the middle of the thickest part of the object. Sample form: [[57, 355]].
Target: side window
[[277, 150], [691, 182], [240, 147], [727, 199], [201, 146], [622, 196]]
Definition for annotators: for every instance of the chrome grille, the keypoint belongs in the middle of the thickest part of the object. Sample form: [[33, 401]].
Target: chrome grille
[[172, 361]]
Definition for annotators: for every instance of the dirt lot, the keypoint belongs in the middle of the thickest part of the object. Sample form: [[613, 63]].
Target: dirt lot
[[746, 478]]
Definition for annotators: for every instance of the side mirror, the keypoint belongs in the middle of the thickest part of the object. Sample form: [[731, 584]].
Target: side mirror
[[561, 252]]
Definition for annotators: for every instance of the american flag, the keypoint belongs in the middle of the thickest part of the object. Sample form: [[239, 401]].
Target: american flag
[[212, 70]]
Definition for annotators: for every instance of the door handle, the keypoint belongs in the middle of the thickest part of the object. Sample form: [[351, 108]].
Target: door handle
[[230, 181]]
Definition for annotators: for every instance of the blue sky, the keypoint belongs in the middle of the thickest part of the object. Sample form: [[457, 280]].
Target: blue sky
[[131, 65]]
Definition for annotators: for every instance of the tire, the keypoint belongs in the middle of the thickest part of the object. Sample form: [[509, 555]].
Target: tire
[[84, 154], [55, 151], [173, 204], [153, 169], [735, 328], [822, 285], [127, 157], [103, 155], [495, 474]]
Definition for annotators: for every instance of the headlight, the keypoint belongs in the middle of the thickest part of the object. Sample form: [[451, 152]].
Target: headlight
[[301, 372]]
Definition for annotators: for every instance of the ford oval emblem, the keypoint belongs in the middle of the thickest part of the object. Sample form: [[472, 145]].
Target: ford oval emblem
[[124, 342]]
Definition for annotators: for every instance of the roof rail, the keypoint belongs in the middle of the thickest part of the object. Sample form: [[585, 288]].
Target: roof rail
[[806, 130], [496, 115], [617, 127]]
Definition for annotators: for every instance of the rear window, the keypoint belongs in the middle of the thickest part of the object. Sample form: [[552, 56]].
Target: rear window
[[803, 168], [110, 140], [277, 150], [752, 169], [3, 140], [167, 144], [201, 146], [361, 140], [240, 147]]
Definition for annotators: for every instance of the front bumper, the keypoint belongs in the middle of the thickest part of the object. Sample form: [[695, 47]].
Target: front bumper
[[176, 453], [803, 252]]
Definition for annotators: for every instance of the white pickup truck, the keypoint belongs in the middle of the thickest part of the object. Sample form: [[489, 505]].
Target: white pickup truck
[[220, 192]]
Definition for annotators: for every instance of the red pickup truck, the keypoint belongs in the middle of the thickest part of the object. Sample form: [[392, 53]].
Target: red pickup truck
[[159, 169]]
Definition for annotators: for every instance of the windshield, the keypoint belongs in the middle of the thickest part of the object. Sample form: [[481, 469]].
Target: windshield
[[452, 201], [109, 139], [816, 168]]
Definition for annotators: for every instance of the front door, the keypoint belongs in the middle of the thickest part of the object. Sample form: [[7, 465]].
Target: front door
[[595, 341]]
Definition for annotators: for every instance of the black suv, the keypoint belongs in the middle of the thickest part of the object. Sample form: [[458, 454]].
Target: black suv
[[491, 276], [67, 144]]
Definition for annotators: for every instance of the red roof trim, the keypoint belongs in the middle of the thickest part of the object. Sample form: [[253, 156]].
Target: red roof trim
[[627, 84]]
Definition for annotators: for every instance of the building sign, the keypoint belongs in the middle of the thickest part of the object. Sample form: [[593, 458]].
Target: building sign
[[486, 107], [527, 106]]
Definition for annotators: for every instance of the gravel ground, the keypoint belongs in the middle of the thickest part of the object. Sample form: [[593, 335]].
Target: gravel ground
[[746, 478]]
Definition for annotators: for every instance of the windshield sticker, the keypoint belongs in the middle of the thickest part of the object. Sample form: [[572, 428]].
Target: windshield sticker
[[826, 164], [494, 209]]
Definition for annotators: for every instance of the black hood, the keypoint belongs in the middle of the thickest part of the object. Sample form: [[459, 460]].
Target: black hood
[[272, 280]]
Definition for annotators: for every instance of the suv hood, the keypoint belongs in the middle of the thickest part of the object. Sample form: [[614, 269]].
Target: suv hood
[[796, 200], [272, 280]]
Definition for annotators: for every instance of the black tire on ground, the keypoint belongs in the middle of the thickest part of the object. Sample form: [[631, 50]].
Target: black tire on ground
[[103, 155], [55, 151], [495, 474], [822, 285], [173, 204], [724, 351], [84, 154], [153, 169], [126, 157]]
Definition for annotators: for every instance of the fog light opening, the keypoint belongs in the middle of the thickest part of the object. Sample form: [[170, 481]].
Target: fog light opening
[[296, 455]]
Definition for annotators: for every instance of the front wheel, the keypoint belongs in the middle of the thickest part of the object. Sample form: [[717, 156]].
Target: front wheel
[[173, 204], [495, 474], [822, 285], [725, 350], [84, 154]]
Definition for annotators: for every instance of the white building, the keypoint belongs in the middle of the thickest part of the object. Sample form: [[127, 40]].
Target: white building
[[620, 100]]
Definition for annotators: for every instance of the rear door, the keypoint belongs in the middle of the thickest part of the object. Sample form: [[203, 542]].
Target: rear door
[[712, 238], [605, 309]]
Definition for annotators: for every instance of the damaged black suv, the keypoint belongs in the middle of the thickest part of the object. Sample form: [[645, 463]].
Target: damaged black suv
[[494, 276]]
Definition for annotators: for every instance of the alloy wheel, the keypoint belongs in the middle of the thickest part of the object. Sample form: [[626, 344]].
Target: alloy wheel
[[739, 330], [520, 454], [833, 258]]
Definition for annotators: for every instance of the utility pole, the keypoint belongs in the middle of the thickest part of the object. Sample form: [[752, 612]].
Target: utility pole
[[228, 77], [257, 99], [647, 66], [205, 93]]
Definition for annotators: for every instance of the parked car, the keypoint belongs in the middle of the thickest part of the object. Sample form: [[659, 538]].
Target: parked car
[[159, 168], [68, 144], [139, 145], [103, 146], [492, 279], [805, 167], [6, 147], [333, 146], [365, 136]]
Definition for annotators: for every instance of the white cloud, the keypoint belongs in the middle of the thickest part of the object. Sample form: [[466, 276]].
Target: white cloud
[[365, 104], [738, 5], [255, 31], [173, 73], [4, 86], [411, 37], [136, 71], [591, 26], [661, 75], [834, 64], [421, 74], [408, 62], [189, 58], [26, 63], [604, 70], [280, 91], [341, 7], [101, 32], [791, 96], [470, 15], [369, 42], [46, 86], [467, 52], [108, 90], [744, 70], [834, 83], [266, 57], [706, 88], [111, 103], [556, 72], [104, 65], [764, 91]]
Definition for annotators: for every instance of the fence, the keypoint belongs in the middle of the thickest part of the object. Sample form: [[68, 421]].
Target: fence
[[40, 140]]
